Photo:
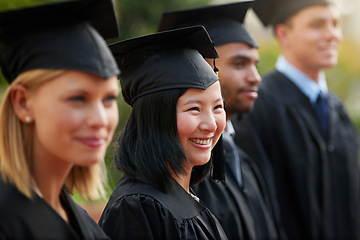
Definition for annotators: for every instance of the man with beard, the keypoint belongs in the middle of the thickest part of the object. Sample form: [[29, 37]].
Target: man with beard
[[241, 204], [308, 146]]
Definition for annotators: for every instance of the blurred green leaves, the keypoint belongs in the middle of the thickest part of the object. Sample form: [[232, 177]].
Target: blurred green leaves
[[14, 4], [139, 17]]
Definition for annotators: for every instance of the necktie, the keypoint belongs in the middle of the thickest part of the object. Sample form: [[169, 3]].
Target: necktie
[[232, 157], [322, 109]]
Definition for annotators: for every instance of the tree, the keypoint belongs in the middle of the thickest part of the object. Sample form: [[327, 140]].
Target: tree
[[140, 17]]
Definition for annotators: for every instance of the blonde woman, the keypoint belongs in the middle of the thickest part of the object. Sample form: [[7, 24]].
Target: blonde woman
[[56, 119]]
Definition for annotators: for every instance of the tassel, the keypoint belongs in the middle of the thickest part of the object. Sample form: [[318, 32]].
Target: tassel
[[216, 55]]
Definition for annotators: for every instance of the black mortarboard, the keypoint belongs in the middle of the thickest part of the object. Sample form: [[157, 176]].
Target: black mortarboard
[[224, 23], [165, 60], [66, 35], [272, 12]]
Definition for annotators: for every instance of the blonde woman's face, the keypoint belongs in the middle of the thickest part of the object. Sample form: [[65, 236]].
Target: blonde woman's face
[[74, 118]]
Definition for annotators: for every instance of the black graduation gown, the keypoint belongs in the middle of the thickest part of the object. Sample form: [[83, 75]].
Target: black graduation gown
[[315, 180], [23, 218], [243, 211], [140, 211]]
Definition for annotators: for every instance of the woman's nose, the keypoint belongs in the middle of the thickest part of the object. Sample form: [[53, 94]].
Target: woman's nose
[[97, 115], [208, 123]]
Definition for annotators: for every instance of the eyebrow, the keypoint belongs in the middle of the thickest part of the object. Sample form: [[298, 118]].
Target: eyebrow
[[192, 101], [242, 57], [83, 91], [324, 20]]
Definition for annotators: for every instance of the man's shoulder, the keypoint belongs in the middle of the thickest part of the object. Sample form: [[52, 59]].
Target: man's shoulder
[[272, 74], [271, 79], [277, 89]]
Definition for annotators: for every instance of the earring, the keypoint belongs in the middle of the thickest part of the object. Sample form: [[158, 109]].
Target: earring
[[27, 119]]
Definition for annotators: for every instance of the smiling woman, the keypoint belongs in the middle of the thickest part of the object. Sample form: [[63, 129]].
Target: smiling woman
[[57, 117], [171, 139]]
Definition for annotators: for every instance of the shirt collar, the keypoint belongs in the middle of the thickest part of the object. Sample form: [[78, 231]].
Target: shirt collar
[[229, 129], [310, 88]]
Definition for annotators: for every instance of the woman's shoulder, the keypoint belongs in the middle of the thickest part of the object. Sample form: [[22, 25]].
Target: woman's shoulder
[[177, 202], [85, 225], [129, 188], [11, 200], [134, 205], [22, 217], [33, 218], [158, 214]]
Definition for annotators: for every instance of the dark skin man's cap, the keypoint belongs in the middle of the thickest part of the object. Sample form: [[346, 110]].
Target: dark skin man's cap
[[224, 23]]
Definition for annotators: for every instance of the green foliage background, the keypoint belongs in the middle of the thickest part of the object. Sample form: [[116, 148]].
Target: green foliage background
[[139, 17]]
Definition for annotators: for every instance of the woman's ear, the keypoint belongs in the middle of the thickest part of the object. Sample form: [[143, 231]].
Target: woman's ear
[[20, 99]]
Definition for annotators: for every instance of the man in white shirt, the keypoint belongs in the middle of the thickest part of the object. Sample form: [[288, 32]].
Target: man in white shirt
[[305, 143]]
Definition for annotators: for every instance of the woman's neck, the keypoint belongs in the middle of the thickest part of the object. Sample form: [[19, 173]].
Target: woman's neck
[[48, 182], [184, 181]]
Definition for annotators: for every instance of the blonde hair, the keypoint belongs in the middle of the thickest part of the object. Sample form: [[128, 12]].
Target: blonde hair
[[16, 146]]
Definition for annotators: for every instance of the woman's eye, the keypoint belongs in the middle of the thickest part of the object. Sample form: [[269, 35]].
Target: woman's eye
[[77, 98], [111, 98], [219, 106], [194, 109]]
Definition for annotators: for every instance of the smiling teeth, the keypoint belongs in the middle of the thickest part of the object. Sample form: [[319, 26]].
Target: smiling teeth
[[201, 142]]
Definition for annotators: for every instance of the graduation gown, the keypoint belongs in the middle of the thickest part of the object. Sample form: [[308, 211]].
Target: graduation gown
[[23, 218], [243, 211], [140, 211], [315, 180]]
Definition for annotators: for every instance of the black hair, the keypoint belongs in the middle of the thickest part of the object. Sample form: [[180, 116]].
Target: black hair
[[149, 145]]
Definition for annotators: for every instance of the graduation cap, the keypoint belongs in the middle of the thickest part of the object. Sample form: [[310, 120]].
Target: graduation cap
[[64, 35], [272, 12], [224, 23], [165, 60]]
